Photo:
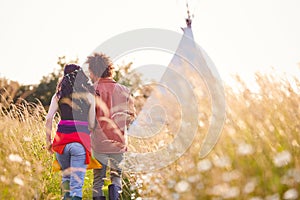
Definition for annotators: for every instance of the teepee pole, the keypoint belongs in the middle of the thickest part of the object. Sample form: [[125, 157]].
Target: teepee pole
[[188, 20]]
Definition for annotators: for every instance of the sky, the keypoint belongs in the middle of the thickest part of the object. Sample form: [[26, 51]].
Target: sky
[[240, 36]]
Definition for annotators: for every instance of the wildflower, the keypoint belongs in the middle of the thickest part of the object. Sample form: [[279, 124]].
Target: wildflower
[[250, 186], [182, 186], [201, 124], [273, 197], [204, 165], [175, 196], [295, 143], [231, 131], [18, 181], [256, 198], [295, 174], [281, 159], [225, 191], [244, 149], [241, 124], [27, 163], [146, 178], [132, 196], [271, 128], [139, 181], [194, 179], [171, 183], [222, 162], [229, 176], [161, 144], [291, 176], [3, 179], [15, 158], [133, 187], [200, 186], [291, 194], [233, 192], [27, 139]]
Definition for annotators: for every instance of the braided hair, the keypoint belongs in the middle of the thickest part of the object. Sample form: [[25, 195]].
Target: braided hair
[[74, 80]]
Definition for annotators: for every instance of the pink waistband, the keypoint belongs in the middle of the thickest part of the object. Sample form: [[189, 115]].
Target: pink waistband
[[73, 122]]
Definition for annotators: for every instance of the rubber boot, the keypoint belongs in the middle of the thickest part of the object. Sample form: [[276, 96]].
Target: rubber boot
[[65, 190], [113, 192], [99, 198]]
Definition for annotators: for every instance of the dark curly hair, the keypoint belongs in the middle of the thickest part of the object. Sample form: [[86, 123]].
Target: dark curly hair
[[74, 80], [101, 65]]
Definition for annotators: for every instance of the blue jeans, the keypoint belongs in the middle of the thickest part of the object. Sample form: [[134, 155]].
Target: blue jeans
[[100, 174], [72, 162]]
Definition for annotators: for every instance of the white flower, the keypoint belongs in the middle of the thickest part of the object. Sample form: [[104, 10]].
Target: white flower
[[250, 186], [171, 183], [175, 196], [233, 192], [201, 123], [139, 181], [281, 159], [15, 158], [182, 186], [161, 144], [222, 162], [225, 191], [256, 198], [245, 149], [18, 181], [229, 176], [291, 194], [27, 139], [194, 179], [3, 179], [132, 188], [231, 131], [273, 197], [204, 165], [27, 163]]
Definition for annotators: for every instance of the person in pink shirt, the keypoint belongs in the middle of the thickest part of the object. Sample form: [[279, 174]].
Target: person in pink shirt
[[114, 112]]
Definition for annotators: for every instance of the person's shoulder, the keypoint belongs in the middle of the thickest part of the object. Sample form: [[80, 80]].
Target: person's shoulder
[[122, 87], [55, 97], [90, 97]]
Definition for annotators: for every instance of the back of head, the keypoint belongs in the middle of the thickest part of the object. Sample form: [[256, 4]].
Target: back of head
[[74, 80], [71, 68], [100, 65]]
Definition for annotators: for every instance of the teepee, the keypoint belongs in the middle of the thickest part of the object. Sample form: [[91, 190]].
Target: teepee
[[173, 103]]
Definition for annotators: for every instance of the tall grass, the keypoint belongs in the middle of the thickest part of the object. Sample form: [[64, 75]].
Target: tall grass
[[25, 165], [257, 156]]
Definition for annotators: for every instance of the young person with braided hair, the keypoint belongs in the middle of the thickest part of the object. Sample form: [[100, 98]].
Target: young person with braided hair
[[74, 100]]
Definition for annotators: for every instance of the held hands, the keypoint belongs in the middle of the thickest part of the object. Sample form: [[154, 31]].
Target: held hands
[[49, 147]]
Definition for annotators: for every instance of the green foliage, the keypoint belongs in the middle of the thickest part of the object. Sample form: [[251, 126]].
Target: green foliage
[[47, 86], [13, 92]]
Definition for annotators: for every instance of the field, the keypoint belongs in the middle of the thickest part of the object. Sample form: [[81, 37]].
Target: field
[[256, 158]]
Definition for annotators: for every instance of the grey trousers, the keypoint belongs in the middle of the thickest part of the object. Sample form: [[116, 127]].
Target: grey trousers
[[113, 161]]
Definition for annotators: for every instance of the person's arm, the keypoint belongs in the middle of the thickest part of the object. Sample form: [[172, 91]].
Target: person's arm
[[92, 112], [49, 119], [131, 110]]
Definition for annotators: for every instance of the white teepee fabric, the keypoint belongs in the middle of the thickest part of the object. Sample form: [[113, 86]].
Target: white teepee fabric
[[173, 104]]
